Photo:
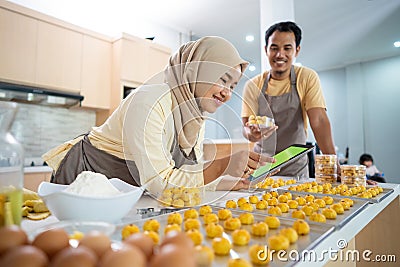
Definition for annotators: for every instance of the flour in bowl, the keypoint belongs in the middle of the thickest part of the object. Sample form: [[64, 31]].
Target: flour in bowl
[[92, 184]]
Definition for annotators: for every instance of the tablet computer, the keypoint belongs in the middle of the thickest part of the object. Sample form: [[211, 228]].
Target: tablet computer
[[283, 158]]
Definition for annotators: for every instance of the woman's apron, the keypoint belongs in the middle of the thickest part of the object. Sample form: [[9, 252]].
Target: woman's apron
[[288, 115], [83, 156]]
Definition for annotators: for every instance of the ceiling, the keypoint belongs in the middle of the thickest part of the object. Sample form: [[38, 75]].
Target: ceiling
[[335, 32]]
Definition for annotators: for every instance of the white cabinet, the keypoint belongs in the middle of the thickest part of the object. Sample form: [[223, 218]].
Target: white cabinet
[[18, 38], [96, 73], [58, 57]]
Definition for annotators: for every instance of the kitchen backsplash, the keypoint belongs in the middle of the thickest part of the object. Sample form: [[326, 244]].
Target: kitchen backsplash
[[40, 128]]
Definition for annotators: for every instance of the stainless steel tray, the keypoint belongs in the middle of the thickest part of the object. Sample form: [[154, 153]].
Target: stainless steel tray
[[386, 192], [341, 219], [318, 232]]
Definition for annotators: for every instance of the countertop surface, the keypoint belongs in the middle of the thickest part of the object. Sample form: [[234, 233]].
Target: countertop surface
[[347, 232], [37, 169]]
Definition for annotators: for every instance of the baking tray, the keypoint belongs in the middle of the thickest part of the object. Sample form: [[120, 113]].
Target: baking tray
[[376, 199], [318, 232], [340, 220]]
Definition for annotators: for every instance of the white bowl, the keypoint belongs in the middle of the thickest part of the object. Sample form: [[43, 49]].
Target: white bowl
[[68, 206]]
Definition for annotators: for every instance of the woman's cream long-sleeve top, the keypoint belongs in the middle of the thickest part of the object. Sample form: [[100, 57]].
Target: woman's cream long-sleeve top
[[142, 129]]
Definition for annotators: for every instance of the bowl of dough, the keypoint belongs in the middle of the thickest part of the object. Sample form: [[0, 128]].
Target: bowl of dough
[[90, 197]]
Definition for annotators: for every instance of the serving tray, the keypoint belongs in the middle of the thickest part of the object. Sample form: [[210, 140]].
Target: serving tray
[[318, 232], [341, 219]]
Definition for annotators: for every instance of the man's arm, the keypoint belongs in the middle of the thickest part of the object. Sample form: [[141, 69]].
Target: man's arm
[[321, 128]]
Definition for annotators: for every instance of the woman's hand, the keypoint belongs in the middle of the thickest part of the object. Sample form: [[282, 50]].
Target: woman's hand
[[243, 163], [229, 183]]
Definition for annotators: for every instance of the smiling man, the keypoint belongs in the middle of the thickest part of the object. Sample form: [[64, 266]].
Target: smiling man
[[291, 94]]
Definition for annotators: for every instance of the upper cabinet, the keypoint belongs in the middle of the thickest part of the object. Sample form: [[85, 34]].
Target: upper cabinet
[[18, 38], [96, 73], [58, 57]]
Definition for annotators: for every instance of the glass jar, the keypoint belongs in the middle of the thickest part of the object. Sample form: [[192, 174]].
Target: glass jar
[[11, 168]]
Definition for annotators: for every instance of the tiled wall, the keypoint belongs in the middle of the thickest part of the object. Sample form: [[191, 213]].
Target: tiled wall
[[40, 128]]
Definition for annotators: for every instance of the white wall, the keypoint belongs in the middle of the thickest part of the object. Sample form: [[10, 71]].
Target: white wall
[[363, 106]]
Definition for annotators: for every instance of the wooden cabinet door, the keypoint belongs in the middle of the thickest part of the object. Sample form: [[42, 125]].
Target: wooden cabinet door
[[96, 73], [59, 54], [18, 38], [158, 59], [134, 60]]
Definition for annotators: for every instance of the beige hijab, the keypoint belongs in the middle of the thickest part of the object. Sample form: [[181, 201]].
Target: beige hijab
[[204, 60]]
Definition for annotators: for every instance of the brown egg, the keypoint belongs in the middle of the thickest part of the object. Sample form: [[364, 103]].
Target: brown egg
[[143, 242], [97, 241], [51, 241], [171, 255], [80, 256], [11, 236], [127, 256], [22, 256], [179, 239]]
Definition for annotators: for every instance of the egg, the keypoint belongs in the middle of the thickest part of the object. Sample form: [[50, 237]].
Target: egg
[[126, 256], [143, 242], [177, 238], [51, 241], [11, 236], [97, 241], [25, 255], [171, 255], [80, 256]]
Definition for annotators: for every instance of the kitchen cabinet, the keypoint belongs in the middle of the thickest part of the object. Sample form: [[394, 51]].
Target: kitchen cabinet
[[32, 180], [18, 35], [58, 57], [96, 73]]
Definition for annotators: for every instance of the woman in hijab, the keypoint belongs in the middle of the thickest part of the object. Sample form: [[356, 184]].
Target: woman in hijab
[[153, 138]]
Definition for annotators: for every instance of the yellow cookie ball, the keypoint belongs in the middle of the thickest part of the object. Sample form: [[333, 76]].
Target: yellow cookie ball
[[283, 199], [275, 211], [191, 224], [301, 200], [259, 254], [206, 209], [278, 242], [231, 204], [151, 225], [273, 201], [274, 194], [290, 233], [210, 218], [153, 235], [349, 201], [191, 214], [284, 207], [308, 210], [292, 204], [259, 229], [338, 208], [214, 230], [128, 230], [246, 218], [246, 206], [262, 204], [232, 224], [224, 214], [266, 196], [299, 214], [172, 227], [240, 237], [301, 227], [238, 262], [195, 236], [174, 218], [320, 202], [318, 217], [253, 199], [288, 195], [221, 246], [329, 213], [272, 222], [241, 201], [328, 200], [309, 198], [345, 204], [203, 255]]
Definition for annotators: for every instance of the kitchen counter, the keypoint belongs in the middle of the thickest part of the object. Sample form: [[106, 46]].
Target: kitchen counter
[[375, 229]]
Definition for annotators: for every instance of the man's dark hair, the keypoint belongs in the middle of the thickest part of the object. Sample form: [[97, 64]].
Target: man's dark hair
[[287, 26], [366, 157]]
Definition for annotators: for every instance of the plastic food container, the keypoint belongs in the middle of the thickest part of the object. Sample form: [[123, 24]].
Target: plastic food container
[[325, 168], [181, 197], [354, 175]]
